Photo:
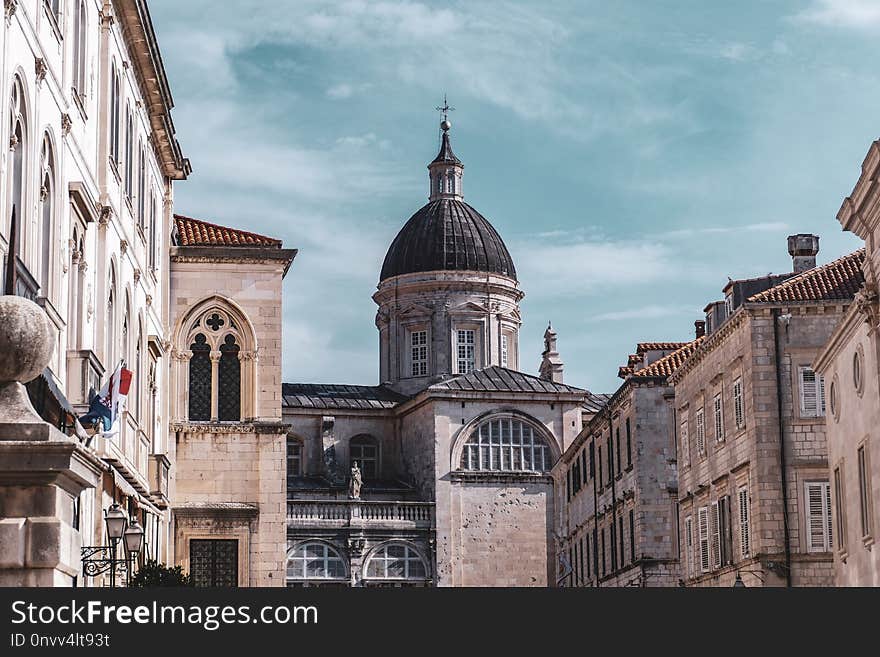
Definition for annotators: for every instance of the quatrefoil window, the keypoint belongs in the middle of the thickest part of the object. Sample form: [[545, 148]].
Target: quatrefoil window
[[214, 322]]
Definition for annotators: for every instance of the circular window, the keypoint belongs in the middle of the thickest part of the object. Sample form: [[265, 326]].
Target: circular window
[[857, 369]]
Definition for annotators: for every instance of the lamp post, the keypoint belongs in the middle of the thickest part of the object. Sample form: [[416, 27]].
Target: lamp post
[[118, 528]]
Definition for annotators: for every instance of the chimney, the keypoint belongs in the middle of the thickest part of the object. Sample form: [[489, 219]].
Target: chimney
[[803, 249], [700, 328]]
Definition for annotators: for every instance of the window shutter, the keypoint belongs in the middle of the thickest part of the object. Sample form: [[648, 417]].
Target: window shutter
[[745, 546], [689, 546], [738, 406], [715, 526], [685, 445], [719, 418], [701, 432], [809, 393], [821, 394], [818, 505], [703, 528]]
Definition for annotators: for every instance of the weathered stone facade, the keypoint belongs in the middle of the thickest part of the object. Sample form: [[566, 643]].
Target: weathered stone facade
[[616, 487], [850, 363], [752, 453]]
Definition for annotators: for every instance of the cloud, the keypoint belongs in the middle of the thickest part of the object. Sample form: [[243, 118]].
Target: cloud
[[767, 227], [345, 90], [737, 52], [591, 267], [854, 14], [645, 312]]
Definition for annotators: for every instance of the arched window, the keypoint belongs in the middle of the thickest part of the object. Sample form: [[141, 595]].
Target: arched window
[[73, 293], [200, 380], [142, 192], [294, 460], [397, 561], [505, 444], [18, 152], [110, 324], [126, 323], [114, 114], [315, 561], [47, 214], [451, 183], [79, 49], [222, 367], [229, 381], [365, 450], [154, 229], [129, 152]]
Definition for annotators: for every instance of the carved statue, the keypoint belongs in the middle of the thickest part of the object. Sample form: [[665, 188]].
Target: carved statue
[[354, 486]]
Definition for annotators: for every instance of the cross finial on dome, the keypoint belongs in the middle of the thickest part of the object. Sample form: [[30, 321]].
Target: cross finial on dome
[[445, 109], [446, 169]]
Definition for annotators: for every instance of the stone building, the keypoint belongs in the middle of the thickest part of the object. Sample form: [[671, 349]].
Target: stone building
[[89, 175], [227, 485], [754, 490], [850, 362], [617, 483], [455, 446]]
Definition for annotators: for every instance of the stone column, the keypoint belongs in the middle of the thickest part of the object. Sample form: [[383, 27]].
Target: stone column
[[42, 470]]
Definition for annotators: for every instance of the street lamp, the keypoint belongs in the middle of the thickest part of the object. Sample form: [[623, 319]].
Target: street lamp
[[119, 528], [739, 583]]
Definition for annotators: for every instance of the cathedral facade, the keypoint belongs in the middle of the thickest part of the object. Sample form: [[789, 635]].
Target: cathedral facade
[[455, 445]]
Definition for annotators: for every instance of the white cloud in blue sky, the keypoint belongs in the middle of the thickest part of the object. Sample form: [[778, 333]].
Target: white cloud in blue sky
[[633, 155]]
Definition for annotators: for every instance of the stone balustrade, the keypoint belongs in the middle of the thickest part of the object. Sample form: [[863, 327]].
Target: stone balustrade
[[359, 513]]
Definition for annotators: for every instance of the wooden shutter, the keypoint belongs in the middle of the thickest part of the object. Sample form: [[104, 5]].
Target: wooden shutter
[[685, 444], [818, 506], [745, 541], [719, 418], [703, 528], [715, 527], [809, 393], [701, 432], [738, 406], [821, 393]]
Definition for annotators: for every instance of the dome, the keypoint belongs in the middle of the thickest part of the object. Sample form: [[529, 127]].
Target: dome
[[447, 234]]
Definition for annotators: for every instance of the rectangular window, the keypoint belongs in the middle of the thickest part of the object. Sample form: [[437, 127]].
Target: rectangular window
[[726, 529], [418, 342], [294, 461], [864, 493], [467, 355], [689, 546], [701, 431], [629, 452], [839, 507], [738, 406], [632, 536], [603, 552], [622, 542], [614, 539], [599, 460], [719, 418], [812, 393], [619, 470], [592, 461], [504, 350], [745, 538], [587, 558], [610, 458], [584, 466], [703, 529], [581, 559], [213, 562], [684, 443], [818, 504]]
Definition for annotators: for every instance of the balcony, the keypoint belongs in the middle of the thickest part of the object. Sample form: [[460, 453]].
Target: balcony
[[308, 514]]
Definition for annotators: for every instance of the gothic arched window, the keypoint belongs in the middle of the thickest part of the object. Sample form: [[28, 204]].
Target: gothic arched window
[[110, 323], [200, 379], [142, 190], [229, 382], [365, 450], [505, 445], [154, 227], [222, 366], [129, 152], [18, 152], [397, 561]]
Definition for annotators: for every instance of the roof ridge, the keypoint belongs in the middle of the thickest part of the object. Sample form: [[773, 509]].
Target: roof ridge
[[258, 236], [655, 368]]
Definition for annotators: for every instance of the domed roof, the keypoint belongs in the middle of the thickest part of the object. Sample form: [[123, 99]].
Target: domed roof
[[447, 234]]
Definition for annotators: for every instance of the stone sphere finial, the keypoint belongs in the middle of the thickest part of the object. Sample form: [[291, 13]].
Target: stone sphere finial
[[26, 340], [445, 125]]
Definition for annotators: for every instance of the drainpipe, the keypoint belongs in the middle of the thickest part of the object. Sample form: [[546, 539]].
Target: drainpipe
[[774, 313]]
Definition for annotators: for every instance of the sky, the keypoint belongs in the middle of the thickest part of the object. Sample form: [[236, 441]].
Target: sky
[[633, 155]]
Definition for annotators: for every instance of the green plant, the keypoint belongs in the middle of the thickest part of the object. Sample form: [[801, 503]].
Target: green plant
[[153, 573]]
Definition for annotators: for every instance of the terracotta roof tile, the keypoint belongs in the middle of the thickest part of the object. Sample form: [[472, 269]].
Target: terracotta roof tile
[[669, 363], [642, 347], [195, 232], [840, 279]]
